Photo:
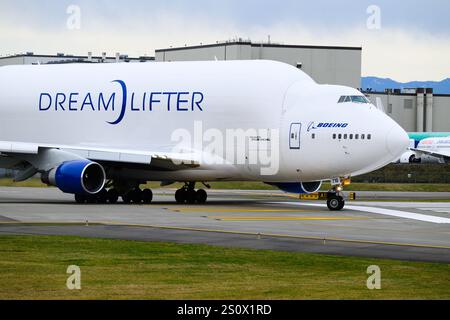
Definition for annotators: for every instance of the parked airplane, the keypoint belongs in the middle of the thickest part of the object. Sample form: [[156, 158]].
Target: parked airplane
[[427, 147], [100, 131]]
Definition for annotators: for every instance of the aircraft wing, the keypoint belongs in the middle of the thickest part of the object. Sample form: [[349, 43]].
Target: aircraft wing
[[430, 153], [158, 160]]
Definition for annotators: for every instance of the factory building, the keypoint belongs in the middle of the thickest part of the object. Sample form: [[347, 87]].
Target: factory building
[[325, 64], [416, 110], [31, 58]]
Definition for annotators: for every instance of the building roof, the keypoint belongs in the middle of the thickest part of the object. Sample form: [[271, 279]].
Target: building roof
[[401, 93], [22, 55], [259, 45]]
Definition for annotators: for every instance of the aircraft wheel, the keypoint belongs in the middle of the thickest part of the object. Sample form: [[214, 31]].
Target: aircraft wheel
[[191, 196], [342, 203], [201, 196], [80, 198], [91, 199], [335, 203], [136, 196], [102, 196], [180, 196], [113, 196], [126, 198], [147, 196]]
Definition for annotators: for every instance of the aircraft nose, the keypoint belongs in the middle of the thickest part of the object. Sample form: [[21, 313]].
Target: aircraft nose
[[397, 141]]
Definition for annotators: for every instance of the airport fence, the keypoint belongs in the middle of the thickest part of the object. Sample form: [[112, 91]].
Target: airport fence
[[408, 173], [6, 173]]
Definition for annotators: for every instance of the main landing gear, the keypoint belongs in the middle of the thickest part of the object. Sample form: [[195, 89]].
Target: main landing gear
[[134, 195], [188, 194], [138, 196]]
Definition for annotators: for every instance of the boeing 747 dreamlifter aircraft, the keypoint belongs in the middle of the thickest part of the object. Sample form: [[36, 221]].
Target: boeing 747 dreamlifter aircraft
[[99, 131]]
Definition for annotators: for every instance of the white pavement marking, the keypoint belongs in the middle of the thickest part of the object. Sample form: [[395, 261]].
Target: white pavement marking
[[413, 205], [388, 212], [439, 207], [438, 210]]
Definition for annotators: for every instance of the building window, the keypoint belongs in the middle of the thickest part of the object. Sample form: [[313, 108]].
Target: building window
[[408, 103]]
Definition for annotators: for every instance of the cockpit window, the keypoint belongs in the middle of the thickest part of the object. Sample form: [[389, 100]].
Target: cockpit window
[[359, 99], [356, 99]]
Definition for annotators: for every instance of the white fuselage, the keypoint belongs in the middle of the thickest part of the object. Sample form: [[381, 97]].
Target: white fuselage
[[436, 145], [142, 107]]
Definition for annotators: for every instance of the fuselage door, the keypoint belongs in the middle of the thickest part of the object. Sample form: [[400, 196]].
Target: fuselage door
[[294, 136]]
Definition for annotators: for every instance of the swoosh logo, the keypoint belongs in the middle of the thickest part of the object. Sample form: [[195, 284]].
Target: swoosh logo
[[124, 102]]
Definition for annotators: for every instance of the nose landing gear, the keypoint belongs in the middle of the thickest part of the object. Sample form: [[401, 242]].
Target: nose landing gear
[[335, 201]]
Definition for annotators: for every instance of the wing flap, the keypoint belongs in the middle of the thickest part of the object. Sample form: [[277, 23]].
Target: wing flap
[[18, 147]]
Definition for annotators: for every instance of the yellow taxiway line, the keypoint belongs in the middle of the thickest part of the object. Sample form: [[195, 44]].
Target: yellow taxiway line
[[234, 210], [281, 218]]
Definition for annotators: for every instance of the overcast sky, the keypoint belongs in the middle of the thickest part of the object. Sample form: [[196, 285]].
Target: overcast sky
[[412, 43]]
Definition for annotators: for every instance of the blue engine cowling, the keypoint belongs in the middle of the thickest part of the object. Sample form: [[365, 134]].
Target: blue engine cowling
[[298, 187], [77, 177]]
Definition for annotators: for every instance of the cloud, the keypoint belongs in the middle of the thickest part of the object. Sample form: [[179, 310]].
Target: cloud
[[395, 53], [403, 54]]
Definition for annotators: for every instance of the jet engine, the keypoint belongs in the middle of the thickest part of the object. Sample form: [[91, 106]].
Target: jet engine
[[298, 187], [76, 177], [409, 157]]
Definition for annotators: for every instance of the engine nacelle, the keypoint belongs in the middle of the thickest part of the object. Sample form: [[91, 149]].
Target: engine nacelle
[[409, 157], [298, 187], [77, 177]]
